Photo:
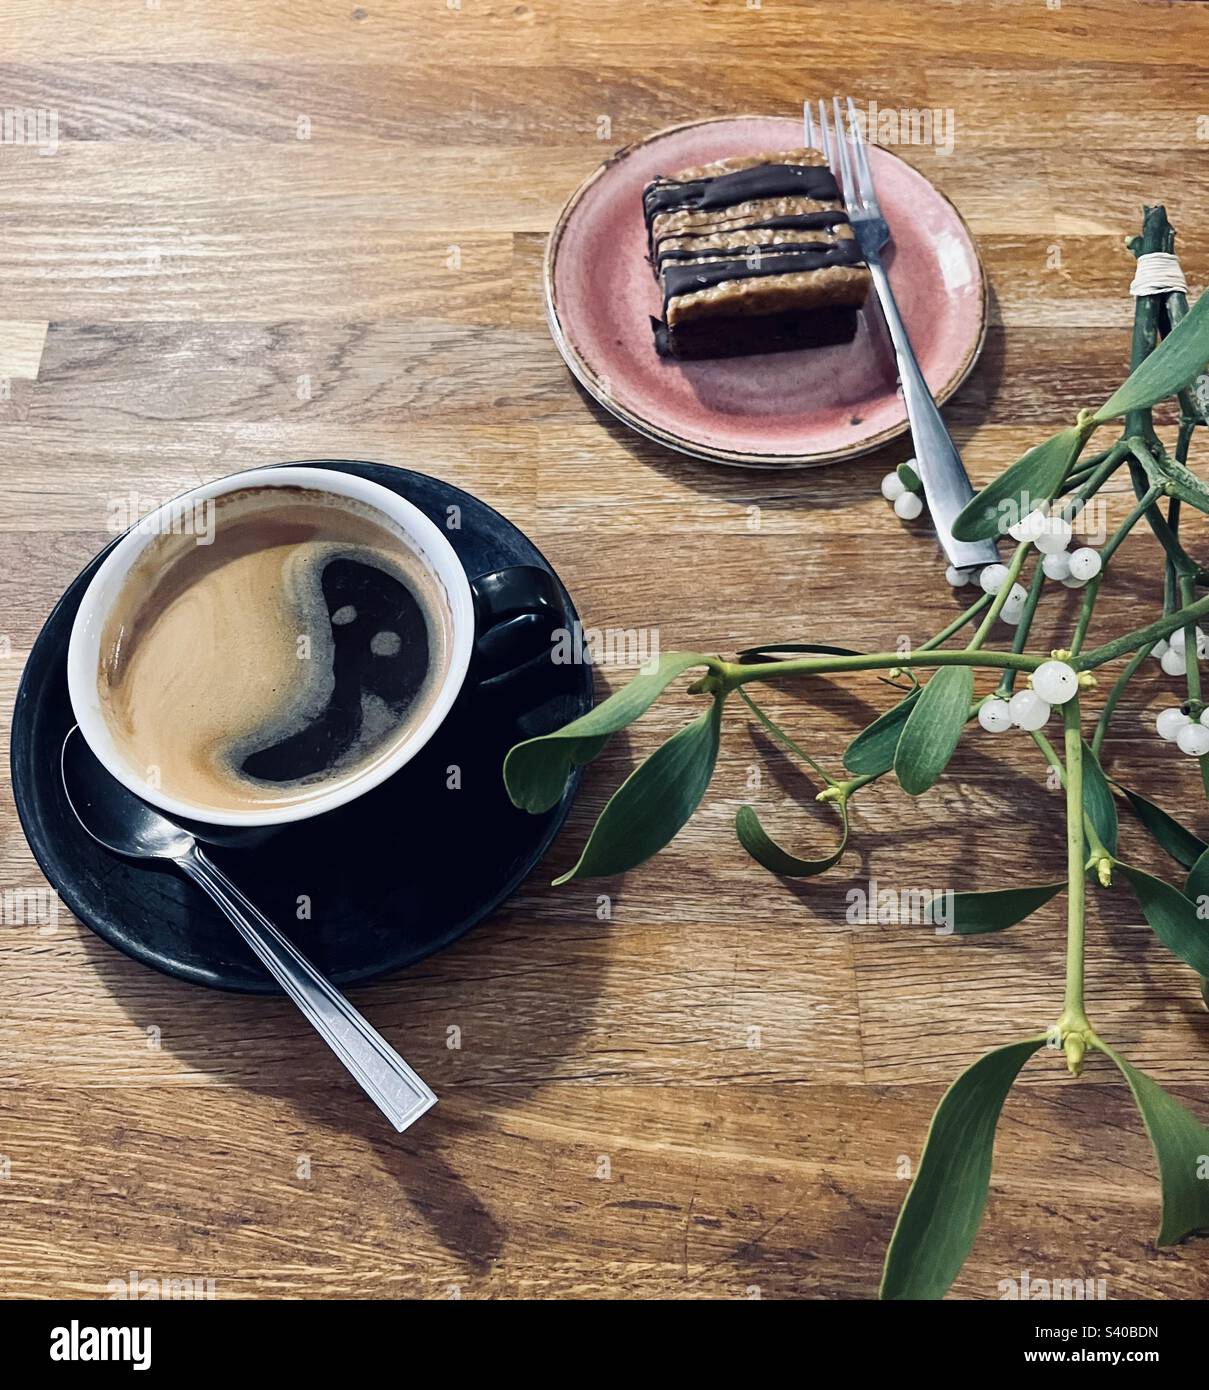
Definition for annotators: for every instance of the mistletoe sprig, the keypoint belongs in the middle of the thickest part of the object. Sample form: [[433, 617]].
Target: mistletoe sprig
[[1034, 501]]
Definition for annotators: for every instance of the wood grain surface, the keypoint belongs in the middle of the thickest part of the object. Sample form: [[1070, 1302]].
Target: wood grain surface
[[276, 230]]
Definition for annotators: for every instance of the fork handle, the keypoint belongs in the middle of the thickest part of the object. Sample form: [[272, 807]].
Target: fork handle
[[379, 1070], [946, 486]]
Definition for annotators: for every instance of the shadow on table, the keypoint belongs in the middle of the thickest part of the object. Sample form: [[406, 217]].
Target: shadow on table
[[523, 991]]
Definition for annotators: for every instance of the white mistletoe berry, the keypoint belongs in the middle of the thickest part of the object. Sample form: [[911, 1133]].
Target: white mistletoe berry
[[1085, 563], [1170, 722], [1193, 739], [1028, 710], [1055, 682], [994, 716], [1029, 527], [1173, 662], [1055, 537], [893, 487], [1057, 566], [992, 578], [908, 505], [1013, 606], [1178, 641]]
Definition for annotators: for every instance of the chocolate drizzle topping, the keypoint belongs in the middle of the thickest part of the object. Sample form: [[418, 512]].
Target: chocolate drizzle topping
[[743, 186], [782, 260]]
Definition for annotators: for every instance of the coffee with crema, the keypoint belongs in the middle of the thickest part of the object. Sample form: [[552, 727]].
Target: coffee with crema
[[290, 655]]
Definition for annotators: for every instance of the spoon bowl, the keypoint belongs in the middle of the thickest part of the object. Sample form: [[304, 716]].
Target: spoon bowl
[[111, 813]]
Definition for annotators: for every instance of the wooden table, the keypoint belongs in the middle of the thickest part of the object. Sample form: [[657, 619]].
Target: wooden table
[[275, 231]]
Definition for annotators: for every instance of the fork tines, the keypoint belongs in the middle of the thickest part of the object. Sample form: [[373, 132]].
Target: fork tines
[[844, 149]]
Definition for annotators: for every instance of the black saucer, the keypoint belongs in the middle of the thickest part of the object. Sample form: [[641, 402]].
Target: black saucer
[[393, 876]]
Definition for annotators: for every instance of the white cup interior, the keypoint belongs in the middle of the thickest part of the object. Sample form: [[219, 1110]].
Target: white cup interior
[[84, 648]]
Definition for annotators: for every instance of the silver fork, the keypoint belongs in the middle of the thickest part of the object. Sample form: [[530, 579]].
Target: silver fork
[[946, 486]]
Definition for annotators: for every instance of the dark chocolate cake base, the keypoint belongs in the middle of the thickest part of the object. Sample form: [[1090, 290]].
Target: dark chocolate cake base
[[742, 335]]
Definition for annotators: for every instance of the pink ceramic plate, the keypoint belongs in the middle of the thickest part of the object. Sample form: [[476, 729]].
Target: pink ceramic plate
[[807, 407]]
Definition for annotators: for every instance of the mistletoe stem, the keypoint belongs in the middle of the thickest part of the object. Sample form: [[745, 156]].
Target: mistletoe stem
[[1157, 235], [733, 674], [1140, 468], [1001, 597], [1085, 468], [1073, 1026], [1144, 636], [956, 625], [1118, 689], [783, 738], [1096, 851], [1007, 682], [1191, 654], [1087, 484], [1187, 594], [1089, 603], [1145, 502], [1089, 599]]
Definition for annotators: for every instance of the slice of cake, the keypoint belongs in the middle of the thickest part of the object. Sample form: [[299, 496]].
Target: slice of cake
[[753, 254]]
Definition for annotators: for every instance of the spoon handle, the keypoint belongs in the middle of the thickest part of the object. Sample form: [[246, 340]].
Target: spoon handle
[[384, 1076]]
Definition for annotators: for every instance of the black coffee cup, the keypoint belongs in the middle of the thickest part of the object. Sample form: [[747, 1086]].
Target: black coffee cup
[[501, 626]]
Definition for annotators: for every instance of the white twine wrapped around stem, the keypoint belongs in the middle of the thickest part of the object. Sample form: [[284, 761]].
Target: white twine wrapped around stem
[[1158, 272]]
